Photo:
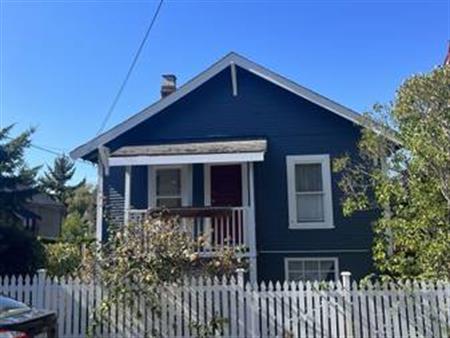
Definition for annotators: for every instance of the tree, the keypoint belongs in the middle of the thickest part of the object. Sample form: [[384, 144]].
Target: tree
[[407, 179], [56, 179], [78, 226], [75, 229], [17, 180], [83, 202], [65, 257], [20, 252]]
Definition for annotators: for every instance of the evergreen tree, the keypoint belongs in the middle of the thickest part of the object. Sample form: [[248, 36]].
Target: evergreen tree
[[56, 179], [20, 252], [17, 180]]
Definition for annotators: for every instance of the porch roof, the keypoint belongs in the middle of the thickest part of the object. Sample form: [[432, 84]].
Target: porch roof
[[197, 152]]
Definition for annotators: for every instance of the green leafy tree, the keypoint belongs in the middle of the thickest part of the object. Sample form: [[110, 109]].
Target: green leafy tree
[[83, 202], [407, 179], [78, 226], [17, 180], [75, 229], [55, 180], [65, 257]]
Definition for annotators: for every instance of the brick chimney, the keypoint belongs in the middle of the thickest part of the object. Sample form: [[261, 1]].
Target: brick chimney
[[169, 84]]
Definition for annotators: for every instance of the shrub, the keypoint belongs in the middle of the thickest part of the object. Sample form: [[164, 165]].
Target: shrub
[[157, 251], [63, 258], [75, 229], [20, 252]]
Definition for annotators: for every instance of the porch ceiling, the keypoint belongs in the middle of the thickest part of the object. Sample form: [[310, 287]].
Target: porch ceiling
[[198, 152]]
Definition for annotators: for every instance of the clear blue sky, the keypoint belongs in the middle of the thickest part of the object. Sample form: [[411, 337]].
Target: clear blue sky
[[63, 61]]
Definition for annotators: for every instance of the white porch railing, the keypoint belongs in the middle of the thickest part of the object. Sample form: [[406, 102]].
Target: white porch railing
[[220, 227]]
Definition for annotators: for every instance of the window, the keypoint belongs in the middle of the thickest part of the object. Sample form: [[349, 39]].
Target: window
[[168, 188], [309, 192], [311, 269]]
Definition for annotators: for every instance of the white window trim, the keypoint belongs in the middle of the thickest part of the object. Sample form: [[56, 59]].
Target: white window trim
[[324, 160], [317, 259], [186, 183]]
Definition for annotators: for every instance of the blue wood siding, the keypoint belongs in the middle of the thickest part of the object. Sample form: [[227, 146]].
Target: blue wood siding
[[113, 187], [139, 184], [197, 185], [292, 126]]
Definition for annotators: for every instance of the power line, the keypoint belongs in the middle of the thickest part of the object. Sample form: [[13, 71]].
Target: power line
[[55, 153], [48, 149], [130, 69], [35, 146], [39, 147]]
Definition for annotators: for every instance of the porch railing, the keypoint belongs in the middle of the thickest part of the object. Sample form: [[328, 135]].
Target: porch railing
[[220, 227]]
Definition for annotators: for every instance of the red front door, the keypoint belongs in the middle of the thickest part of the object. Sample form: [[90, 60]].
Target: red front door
[[226, 191], [226, 185]]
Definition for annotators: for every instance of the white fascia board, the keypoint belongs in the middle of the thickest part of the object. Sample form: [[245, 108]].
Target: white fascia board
[[186, 159], [197, 81]]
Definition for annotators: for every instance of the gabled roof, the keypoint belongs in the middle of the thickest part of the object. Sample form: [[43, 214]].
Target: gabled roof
[[227, 61]]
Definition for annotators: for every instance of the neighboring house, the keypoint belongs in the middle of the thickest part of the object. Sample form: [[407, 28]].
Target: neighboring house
[[245, 156], [43, 216]]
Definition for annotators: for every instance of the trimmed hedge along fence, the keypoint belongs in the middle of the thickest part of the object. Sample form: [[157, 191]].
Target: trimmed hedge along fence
[[295, 309]]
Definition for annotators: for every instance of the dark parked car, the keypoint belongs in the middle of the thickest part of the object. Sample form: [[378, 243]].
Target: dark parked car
[[18, 320]]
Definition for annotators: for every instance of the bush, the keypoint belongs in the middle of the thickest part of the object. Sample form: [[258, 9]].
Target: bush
[[20, 252], [75, 229], [158, 250], [63, 258]]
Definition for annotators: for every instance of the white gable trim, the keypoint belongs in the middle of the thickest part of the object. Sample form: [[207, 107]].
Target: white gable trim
[[197, 81]]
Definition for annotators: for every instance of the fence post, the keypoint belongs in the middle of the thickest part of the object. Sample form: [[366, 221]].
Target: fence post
[[240, 301], [240, 277], [42, 274], [346, 276]]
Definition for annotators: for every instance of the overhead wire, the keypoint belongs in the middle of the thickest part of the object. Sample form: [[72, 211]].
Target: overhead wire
[[130, 69]]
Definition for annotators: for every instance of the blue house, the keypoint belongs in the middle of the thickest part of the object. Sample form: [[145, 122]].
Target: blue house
[[244, 155]]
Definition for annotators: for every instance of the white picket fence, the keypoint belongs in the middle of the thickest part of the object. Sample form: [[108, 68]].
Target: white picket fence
[[294, 309]]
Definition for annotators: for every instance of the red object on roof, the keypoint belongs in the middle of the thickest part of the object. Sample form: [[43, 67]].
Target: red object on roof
[[447, 58]]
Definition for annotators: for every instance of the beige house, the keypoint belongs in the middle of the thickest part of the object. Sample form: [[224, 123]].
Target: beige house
[[43, 216]]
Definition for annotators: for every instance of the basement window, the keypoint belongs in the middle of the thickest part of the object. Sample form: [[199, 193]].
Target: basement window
[[311, 269]]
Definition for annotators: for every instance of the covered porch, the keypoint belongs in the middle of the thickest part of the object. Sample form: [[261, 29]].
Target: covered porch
[[216, 202]]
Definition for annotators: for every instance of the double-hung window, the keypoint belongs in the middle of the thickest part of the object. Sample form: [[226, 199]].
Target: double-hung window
[[168, 187], [311, 269], [309, 192]]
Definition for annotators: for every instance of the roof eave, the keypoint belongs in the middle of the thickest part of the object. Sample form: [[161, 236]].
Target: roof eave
[[232, 58]]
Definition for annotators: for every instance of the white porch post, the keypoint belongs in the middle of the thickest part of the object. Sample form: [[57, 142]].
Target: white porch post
[[252, 225], [99, 215], [127, 197]]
